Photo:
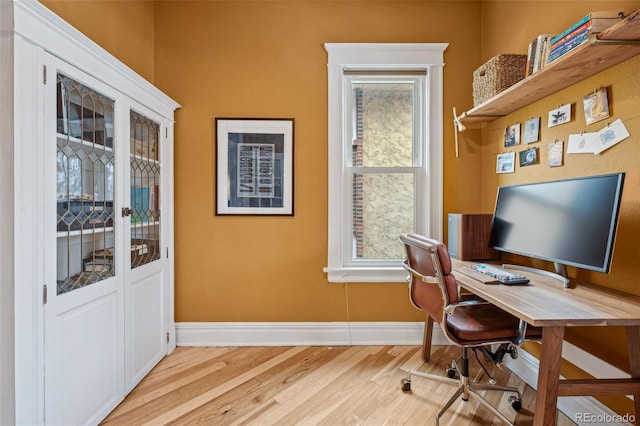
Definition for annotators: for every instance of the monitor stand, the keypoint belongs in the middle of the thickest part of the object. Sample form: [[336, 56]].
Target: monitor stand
[[560, 274]]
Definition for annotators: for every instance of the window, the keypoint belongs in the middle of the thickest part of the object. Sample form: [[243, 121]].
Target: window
[[385, 155]]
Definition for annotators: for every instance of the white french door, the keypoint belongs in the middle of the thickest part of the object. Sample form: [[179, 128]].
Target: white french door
[[144, 234], [105, 315], [84, 309]]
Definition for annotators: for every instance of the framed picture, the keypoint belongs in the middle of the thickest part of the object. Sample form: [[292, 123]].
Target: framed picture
[[560, 115], [596, 105], [554, 156], [254, 166], [531, 130], [505, 162], [528, 157], [512, 135]]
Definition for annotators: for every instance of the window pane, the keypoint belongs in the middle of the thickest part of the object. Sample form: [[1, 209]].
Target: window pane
[[145, 189], [383, 209], [85, 176], [383, 124]]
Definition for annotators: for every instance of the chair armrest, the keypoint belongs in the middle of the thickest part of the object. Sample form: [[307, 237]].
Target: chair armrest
[[424, 278], [452, 307], [467, 295]]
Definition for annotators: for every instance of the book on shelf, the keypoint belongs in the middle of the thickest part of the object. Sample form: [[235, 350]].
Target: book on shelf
[[599, 21], [567, 46], [537, 52], [542, 43], [529, 68], [573, 34], [545, 53], [569, 30], [578, 33]]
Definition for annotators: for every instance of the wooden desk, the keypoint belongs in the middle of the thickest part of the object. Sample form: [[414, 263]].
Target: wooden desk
[[546, 303]]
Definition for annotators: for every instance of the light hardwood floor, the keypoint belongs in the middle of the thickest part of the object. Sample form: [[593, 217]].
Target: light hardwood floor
[[308, 385]]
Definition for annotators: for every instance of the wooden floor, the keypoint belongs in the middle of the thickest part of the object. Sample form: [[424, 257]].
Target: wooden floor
[[308, 386]]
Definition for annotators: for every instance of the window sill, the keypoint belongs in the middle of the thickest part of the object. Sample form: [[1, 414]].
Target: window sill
[[389, 274]]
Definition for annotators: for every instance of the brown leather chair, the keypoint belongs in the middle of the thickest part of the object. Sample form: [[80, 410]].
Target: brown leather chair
[[474, 324]]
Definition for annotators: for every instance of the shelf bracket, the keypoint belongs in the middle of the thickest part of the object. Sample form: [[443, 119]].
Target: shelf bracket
[[458, 126], [593, 40]]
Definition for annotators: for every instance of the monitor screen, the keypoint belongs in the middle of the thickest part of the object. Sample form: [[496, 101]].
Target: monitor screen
[[570, 222]]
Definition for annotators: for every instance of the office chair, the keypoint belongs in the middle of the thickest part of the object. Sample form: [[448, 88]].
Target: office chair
[[470, 324]]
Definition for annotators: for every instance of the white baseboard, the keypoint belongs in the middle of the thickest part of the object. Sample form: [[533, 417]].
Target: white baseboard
[[396, 333], [303, 333]]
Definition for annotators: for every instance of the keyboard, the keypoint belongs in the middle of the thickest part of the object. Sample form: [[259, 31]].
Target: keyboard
[[503, 276]]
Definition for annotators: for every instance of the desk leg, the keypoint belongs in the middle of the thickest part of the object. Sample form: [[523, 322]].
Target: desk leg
[[633, 342], [548, 376], [426, 340]]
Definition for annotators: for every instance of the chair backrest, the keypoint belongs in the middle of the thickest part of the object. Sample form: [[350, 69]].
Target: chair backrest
[[430, 258]]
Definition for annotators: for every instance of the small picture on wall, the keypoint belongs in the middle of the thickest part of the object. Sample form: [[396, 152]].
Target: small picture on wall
[[512, 135], [505, 162], [554, 158], [531, 130], [254, 162], [528, 157], [560, 115], [596, 105]]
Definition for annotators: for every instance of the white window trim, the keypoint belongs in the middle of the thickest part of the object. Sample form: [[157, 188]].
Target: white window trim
[[366, 56]]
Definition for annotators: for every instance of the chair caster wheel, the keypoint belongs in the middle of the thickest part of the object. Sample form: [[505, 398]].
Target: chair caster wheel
[[451, 373], [406, 385], [516, 403]]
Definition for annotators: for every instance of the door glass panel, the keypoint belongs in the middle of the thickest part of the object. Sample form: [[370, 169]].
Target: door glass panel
[[85, 185], [145, 190]]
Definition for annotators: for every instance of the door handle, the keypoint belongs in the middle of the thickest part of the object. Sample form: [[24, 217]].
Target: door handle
[[126, 211]]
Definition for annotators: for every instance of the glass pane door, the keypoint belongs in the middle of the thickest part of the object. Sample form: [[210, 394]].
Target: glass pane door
[[85, 185], [145, 190]]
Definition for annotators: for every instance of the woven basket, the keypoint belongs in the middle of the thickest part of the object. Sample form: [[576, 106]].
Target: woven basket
[[499, 73]]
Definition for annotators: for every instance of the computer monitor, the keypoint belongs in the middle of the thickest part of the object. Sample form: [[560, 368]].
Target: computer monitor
[[570, 222]]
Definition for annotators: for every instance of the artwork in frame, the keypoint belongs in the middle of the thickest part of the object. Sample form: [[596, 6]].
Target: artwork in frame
[[512, 135], [532, 130], [505, 162], [596, 106], [560, 115], [528, 157], [254, 166], [554, 156]]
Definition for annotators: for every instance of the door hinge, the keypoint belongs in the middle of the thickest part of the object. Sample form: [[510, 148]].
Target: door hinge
[[167, 337], [167, 252], [44, 74], [166, 132], [44, 294]]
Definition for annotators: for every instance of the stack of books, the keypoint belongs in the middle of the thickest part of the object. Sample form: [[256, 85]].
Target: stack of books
[[578, 33], [538, 51]]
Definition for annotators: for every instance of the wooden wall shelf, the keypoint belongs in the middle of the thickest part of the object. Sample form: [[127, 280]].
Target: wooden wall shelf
[[612, 46]]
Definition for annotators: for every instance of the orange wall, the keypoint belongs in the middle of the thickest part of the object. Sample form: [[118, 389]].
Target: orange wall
[[123, 28], [266, 59]]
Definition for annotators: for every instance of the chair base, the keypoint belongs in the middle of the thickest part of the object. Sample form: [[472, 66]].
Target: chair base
[[466, 388]]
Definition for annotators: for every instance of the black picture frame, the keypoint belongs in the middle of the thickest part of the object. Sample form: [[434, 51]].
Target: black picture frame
[[254, 166]]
